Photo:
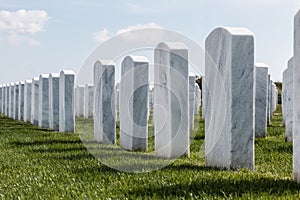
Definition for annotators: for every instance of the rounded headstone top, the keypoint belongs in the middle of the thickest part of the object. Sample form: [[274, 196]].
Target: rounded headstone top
[[238, 30], [106, 62], [80, 86], [54, 75], [35, 79], [22, 82], [172, 45], [44, 76], [258, 64], [67, 72], [141, 59]]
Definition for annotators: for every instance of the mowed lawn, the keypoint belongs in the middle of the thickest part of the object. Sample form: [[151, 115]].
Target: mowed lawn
[[37, 163]]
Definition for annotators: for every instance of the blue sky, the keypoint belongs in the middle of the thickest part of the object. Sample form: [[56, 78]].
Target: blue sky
[[47, 36]]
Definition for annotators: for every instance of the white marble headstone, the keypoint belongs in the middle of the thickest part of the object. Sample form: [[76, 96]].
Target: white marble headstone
[[171, 110], [54, 101], [192, 100], [289, 102], [79, 100], [44, 101], [16, 102], [88, 101], [35, 101], [1, 96], [27, 100], [261, 99], [296, 100], [134, 103], [21, 101], [11, 100], [66, 101], [229, 119], [104, 102]]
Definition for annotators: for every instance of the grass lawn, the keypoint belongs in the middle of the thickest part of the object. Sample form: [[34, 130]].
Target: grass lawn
[[37, 163]]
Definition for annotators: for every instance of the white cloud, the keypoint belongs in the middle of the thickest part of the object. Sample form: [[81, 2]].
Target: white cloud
[[101, 36], [138, 26], [104, 34], [18, 27]]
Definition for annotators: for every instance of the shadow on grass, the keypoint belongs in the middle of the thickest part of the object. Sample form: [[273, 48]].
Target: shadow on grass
[[59, 150], [220, 187], [45, 142]]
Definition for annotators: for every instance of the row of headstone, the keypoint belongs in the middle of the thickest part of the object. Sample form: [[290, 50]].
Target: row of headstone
[[239, 98], [171, 93], [46, 101]]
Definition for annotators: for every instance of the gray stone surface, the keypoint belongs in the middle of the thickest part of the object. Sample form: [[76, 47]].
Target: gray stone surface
[[27, 100], [21, 101], [296, 100], [171, 111], [88, 101], [79, 101], [229, 119], [43, 115], [192, 88], [35, 101], [289, 102], [16, 102], [66, 101], [134, 103], [261, 99], [54, 101], [104, 102]]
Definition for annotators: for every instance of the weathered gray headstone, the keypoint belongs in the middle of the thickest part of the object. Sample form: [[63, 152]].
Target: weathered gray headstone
[[229, 121], [205, 96], [35, 101], [88, 101], [54, 101], [21, 101], [134, 103], [66, 101], [44, 101], [171, 111], [27, 100], [261, 99], [104, 102]]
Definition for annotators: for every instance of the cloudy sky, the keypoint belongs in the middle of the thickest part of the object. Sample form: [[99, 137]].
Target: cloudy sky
[[47, 36]]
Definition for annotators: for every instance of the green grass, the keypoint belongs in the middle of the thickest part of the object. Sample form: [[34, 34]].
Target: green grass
[[40, 164]]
